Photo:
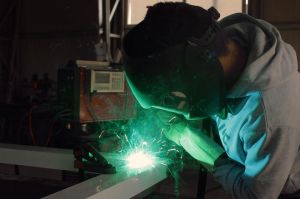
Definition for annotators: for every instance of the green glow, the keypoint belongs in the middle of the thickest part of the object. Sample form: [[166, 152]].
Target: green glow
[[142, 146], [140, 160], [195, 142], [200, 146], [148, 101], [140, 97]]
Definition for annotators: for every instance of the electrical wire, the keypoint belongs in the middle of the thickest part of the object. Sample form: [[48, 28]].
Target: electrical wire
[[67, 112], [52, 122]]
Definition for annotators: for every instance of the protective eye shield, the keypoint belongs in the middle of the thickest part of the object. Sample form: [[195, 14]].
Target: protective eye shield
[[153, 76], [188, 68]]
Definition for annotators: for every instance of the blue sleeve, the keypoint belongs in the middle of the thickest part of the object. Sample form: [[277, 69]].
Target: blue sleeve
[[269, 158]]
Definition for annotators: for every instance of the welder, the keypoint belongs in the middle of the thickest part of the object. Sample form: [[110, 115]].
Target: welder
[[183, 62]]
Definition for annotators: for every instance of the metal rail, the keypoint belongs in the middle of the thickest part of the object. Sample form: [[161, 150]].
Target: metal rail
[[42, 157], [115, 186], [121, 185]]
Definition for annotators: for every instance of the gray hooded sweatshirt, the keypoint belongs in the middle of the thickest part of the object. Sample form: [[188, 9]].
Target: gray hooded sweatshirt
[[261, 134]]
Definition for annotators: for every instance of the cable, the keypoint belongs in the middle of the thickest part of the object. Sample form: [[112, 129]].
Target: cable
[[56, 117]]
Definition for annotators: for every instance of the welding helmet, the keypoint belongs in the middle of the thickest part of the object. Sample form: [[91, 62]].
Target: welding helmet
[[186, 78]]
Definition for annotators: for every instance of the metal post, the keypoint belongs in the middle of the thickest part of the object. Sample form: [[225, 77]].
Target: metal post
[[106, 28], [114, 10]]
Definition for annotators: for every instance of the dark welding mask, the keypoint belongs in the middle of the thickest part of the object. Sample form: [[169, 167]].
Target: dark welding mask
[[186, 78]]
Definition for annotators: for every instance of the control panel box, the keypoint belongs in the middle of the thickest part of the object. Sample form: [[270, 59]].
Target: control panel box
[[95, 91]]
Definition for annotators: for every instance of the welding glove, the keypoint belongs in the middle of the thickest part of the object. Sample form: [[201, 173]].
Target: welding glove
[[194, 141]]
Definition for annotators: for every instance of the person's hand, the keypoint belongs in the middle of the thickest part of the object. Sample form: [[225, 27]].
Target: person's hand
[[194, 141], [173, 125]]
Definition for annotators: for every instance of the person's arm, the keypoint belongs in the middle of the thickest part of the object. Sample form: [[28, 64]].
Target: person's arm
[[201, 147], [270, 156], [195, 142]]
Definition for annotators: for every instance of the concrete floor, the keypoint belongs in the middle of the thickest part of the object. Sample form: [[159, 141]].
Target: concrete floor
[[188, 188]]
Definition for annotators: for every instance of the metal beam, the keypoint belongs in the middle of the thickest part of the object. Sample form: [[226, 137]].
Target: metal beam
[[106, 28], [116, 186], [42, 157], [123, 184], [114, 10]]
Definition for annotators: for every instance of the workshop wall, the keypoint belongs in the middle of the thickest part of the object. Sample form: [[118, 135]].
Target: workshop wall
[[54, 31], [284, 15], [7, 19], [38, 37]]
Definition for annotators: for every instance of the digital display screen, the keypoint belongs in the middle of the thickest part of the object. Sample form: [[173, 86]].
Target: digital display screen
[[101, 78]]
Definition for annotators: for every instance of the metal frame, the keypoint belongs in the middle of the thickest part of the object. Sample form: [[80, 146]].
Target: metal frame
[[42, 157], [113, 186], [116, 186], [108, 16]]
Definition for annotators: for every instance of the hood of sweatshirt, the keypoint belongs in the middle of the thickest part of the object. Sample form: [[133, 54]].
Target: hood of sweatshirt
[[270, 60]]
